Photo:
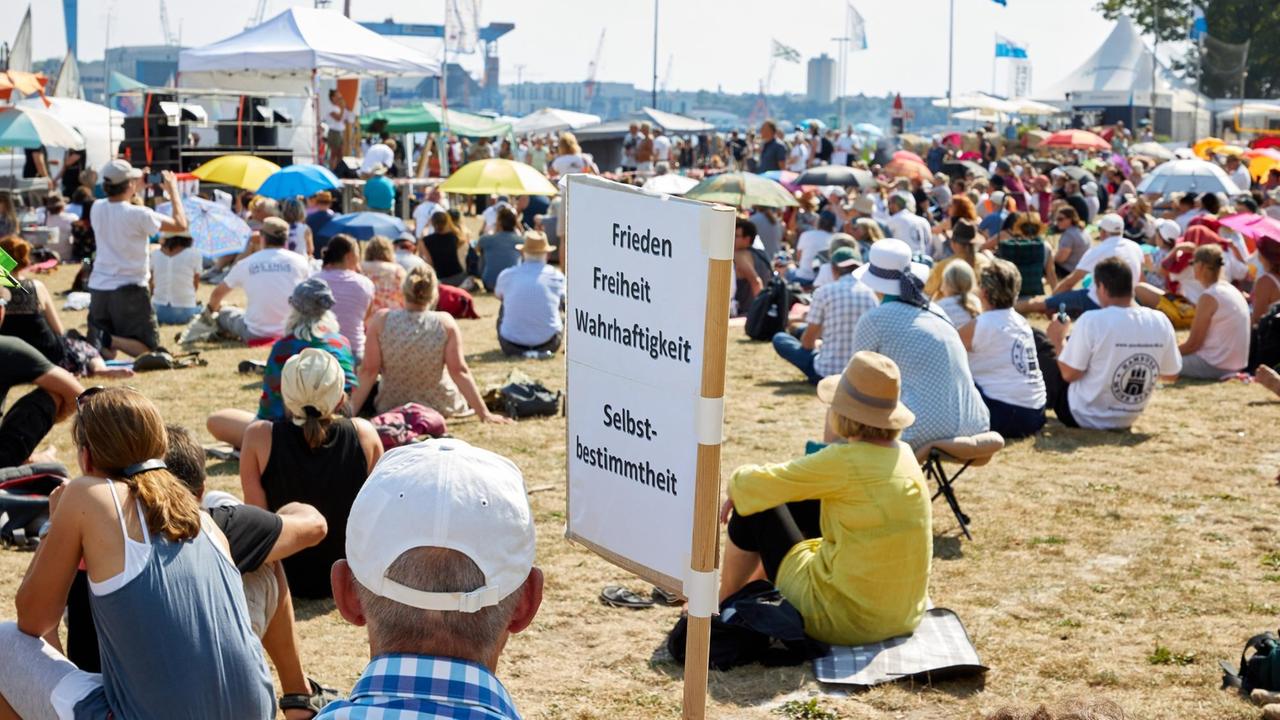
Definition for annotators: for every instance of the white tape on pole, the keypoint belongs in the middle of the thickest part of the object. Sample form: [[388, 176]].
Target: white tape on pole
[[703, 591], [710, 420]]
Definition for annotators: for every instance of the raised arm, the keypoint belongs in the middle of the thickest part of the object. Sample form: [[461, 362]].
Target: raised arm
[[456, 362]]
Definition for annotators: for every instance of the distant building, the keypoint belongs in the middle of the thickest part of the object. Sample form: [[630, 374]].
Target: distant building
[[608, 100], [822, 75], [152, 65]]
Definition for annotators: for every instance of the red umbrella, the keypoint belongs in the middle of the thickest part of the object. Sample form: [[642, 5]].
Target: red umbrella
[[1076, 140], [1270, 141], [953, 139], [908, 155], [905, 167]]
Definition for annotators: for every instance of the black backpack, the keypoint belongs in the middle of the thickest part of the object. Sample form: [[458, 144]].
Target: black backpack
[[24, 501], [755, 625], [1261, 670], [769, 311], [1264, 343], [531, 399]]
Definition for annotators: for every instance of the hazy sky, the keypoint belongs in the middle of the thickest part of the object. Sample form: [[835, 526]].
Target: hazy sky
[[712, 43]]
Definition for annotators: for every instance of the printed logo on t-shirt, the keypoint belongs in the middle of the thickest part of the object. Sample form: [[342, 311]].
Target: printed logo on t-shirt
[[1023, 356], [1134, 379]]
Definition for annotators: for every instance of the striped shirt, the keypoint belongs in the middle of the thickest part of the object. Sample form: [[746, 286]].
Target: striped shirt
[[423, 687]]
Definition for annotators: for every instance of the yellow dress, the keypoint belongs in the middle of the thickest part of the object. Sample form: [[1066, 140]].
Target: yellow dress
[[867, 578]]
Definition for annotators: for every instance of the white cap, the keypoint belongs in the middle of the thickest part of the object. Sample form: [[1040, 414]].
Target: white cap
[[1111, 224], [119, 170], [442, 494], [1168, 229], [1090, 188], [889, 255]]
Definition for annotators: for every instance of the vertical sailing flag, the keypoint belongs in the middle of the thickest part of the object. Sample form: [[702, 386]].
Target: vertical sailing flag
[[857, 30], [1199, 26], [1009, 49]]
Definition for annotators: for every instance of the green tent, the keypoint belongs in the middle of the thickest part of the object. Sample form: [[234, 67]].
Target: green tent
[[426, 117]]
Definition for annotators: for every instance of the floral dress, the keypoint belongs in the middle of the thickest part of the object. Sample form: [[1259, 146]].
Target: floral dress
[[388, 283], [413, 367]]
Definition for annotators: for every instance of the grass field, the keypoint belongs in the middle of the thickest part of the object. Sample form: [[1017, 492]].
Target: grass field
[[1117, 566]]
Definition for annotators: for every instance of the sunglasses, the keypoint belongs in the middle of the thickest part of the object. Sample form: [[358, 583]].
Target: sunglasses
[[84, 397]]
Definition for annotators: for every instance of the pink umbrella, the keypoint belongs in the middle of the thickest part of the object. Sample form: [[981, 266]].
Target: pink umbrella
[[954, 139], [1253, 226], [908, 155], [1076, 140]]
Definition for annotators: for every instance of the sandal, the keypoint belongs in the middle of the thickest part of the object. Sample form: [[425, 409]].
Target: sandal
[[315, 702], [618, 596], [662, 597]]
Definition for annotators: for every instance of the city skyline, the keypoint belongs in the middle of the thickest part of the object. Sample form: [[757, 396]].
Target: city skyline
[[556, 43]]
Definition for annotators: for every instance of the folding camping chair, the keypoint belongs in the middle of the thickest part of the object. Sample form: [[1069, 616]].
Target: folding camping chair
[[969, 452]]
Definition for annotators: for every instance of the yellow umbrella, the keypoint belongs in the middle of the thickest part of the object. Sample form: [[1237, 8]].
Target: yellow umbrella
[[247, 172], [1204, 145], [497, 176], [1228, 150], [1260, 166]]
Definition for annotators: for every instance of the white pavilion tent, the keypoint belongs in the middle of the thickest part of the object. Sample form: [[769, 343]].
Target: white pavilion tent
[[552, 120]]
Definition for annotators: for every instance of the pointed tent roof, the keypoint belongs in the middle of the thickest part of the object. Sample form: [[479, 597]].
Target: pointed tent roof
[[306, 39], [120, 83], [1121, 65]]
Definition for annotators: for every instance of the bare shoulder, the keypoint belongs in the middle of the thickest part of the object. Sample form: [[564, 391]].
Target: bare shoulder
[[259, 431]]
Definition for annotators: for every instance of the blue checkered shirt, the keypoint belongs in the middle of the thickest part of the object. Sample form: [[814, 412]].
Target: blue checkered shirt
[[423, 687]]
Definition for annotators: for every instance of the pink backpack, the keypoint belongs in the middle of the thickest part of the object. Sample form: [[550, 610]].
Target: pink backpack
[[408, 423]]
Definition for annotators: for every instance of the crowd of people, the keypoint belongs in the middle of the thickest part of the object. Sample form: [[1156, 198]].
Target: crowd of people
[[934, 308]]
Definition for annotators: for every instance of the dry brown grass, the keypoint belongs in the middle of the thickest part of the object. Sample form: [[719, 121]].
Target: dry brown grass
[[1091, 549]]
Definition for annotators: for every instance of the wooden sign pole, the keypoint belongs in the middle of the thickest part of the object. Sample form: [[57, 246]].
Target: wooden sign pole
[[704, 551]]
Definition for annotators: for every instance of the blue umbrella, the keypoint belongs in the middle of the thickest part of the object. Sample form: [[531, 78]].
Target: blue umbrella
[[298, 180], [364, 225], [214, 229], [866, 128]]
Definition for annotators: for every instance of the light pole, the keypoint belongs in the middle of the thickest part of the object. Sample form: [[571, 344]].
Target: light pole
[[654, 94]]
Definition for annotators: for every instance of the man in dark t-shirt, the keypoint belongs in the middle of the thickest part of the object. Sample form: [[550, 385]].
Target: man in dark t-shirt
[[26, 423], [258, 539], [773, 154]]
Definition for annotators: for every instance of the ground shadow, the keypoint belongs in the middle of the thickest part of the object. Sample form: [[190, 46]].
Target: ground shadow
[[948, 547], [787, 387], [311, 609], [1262, 403], [223, 467], [1059, 438]]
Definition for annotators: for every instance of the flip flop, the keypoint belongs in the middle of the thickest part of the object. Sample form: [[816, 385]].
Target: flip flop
[[617, 596], [662, 597]]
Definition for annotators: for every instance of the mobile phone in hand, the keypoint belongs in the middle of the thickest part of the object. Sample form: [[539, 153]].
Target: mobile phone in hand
[[1063, 317]]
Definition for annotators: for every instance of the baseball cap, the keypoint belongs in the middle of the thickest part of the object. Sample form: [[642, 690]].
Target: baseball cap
[[1168, 229], [845, 257], [119, 170], [1111, 223], [311, 379], [442, 494], [275, 227]]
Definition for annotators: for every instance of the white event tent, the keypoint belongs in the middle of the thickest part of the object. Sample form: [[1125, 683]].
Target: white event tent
[[549, 120], [289, 53]]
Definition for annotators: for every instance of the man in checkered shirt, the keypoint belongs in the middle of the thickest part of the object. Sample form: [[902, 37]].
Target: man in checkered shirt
[[439, 566], [824, 344]]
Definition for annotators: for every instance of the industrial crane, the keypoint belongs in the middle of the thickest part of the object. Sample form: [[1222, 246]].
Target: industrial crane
[[666, 74], [169, 37], [258, 15], [589, 90]]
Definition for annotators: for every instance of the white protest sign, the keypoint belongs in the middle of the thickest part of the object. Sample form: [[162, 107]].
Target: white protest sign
[[637, 313]]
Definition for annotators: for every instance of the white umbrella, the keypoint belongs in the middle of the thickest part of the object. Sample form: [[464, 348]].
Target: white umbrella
[[1195, 176], [548, 120], [28, 127], [100, 126], [1027, 106], [977, 101], [670, 184]]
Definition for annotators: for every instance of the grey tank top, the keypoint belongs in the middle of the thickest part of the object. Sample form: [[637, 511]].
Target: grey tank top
[[175, 640]]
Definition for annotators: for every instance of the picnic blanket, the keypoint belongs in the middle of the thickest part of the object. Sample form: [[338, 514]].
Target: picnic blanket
[[940, 647]]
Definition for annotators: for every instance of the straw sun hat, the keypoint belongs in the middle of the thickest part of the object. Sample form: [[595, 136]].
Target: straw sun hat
[[535, 242], [868, 392]]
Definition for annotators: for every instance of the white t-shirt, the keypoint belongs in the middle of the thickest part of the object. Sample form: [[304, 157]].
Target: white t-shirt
[[798, 158], [1122, 352], [911, 229], [174, 277], [568, 164], [1226, 345], [490, 216], [1114, 246], [955, 310], [377, 154], [268, 278], [331, 109], [122, 231], [808, 245], [1242, 179], [844, 148], [661, 148], [1003, 359], [422, 215]]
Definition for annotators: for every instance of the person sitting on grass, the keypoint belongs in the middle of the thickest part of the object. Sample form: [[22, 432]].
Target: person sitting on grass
[[257, 540], [440, 570], [353, 293], [858, 571], [1112, 243], [501, 250], [32, 316], [311, 324], [381, 267], [1266, 291], [170, 608], [532, 295], [1103, 377], [26, 422], [1219, 342], [822, 345], [922, 342], [268, 277], [412, 348], [316, 457], [1002, 355], [956, 296]]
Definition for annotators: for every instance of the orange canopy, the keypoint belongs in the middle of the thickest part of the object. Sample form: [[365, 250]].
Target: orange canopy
[[24, 82]]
